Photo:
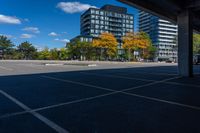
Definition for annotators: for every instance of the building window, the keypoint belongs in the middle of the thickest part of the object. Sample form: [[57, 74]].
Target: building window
[[101, 13], [92, 21], [115, 14], [97, 17], [101, 31], [97, 26], [97, 21], [97, 31], [101, 27], [97, 12], [92, 31], [127, 17], [92, 11]]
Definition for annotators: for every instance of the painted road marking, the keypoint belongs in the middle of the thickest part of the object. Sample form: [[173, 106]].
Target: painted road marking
[[103, 95], [58, 105], [37, 115], [103, 88], [140, 96], [78, 83], [140, 79]]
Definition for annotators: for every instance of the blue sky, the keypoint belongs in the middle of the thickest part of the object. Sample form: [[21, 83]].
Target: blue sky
[[47, 23]]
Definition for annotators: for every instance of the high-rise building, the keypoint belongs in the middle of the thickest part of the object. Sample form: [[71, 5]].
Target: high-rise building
[[162, 33], [109, 18]]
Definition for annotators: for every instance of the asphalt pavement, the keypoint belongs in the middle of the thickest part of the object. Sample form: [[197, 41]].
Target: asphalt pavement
[[97, 97]]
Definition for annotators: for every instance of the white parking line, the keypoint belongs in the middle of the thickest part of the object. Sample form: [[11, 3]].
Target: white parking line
[[140, 79], [78, 83], [58, 105], [84, 99], [117, 76], [37, 115], [103, 95], [163, 101], [155, 73], [145, 72], [103, 88], [5, 68], [140, 96]]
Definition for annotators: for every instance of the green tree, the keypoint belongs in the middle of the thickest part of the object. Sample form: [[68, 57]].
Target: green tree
[[63, 54], [149, 52], [72, 49], [5, 46], [80, 50], [44, 54], [54, 54], [16, 55], [196, 43], [27, 50], [85, 50]]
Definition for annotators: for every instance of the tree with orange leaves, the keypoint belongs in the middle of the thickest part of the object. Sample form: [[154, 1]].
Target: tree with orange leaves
[[136, 41], [107, 44]]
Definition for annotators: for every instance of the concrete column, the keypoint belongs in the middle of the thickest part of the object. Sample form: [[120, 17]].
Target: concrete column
[[185, 33]]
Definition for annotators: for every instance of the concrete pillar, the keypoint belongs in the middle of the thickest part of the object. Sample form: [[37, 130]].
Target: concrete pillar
[[185, 33]]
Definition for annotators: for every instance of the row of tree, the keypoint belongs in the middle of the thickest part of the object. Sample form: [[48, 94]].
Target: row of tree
[[105, 47], [27, 51]]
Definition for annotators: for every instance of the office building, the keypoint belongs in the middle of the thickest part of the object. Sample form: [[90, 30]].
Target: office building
[[109, 18], [163, 34]]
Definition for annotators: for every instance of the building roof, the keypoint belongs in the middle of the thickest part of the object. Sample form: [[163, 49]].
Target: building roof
[[110, 8], [169, 9], [113, 8]]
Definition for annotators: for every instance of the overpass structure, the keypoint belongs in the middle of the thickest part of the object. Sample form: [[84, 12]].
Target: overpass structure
[[184, 13]]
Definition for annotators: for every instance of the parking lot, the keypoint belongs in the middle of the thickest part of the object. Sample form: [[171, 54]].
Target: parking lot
[[97, 97]]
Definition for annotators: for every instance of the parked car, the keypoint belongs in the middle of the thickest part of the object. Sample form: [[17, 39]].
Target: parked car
[[170, 60], [196, 59]]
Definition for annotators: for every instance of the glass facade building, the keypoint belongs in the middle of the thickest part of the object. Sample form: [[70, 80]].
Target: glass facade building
[[163, 34], [109, 18]]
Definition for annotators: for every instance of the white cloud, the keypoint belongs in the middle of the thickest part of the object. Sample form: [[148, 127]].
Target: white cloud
[[9, 19], [53, 34], [61, 40], [64, 40], [73, 7], [26, 36], [32, 29]]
